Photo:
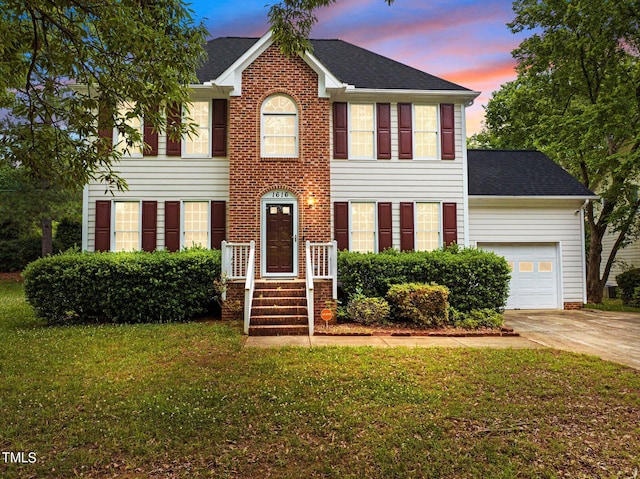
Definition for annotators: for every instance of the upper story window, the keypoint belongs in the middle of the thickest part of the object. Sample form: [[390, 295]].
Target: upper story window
[[122, 142], [279, 127], [198, 144], [361, 130], [425, 133]]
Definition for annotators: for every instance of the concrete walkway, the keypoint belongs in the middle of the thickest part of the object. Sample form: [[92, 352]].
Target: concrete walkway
[[608, 335], [392, 341]]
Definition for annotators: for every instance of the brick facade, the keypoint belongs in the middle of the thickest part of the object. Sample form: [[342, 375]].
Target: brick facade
[[251, 176]]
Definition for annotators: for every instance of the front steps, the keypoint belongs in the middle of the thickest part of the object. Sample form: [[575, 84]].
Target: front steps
[[279, 308]]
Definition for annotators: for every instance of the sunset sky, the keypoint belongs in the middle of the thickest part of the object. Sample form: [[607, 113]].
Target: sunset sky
[[463, 41]]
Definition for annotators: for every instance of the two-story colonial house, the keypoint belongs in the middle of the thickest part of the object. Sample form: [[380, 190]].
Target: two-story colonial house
[[339, 144]]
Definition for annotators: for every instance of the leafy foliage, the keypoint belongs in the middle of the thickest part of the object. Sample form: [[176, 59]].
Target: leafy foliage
[[476, 279], [628, 282], [476, 319], [367, 311], [291, 23], [422, 304], [122, 287]]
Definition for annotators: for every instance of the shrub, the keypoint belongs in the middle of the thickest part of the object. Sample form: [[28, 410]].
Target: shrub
[[423, 304], [635, 299], [122, 287], [68, 235], [365, 310], [627, 283], [476, 279], [476, 319], [16, 253]]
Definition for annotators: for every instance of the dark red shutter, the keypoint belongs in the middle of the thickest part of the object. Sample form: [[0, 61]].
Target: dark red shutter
[[385, 229], [150, 138], [218, 223], [406, 227], [103, 225], [219, 134], [449, 223], [383, 137], [105, 128], [341, 224], [174, 118], [447, 131], [149, 225], [340, 131], [405, 131], [172, 225]]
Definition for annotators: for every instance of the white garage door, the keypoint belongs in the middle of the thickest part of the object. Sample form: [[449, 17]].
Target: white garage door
[[534, 274]]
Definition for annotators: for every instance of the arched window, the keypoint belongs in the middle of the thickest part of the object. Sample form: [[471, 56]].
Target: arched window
[[279, 127]]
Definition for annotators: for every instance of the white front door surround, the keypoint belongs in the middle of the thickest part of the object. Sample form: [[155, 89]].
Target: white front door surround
[[279, 229]]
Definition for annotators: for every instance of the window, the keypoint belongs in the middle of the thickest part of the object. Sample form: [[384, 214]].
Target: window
[[198, 144], [363, 227], [361, 130], [196, 224], [127, 226], [425, 133], [427, 226], [279, 127], [122, 143]]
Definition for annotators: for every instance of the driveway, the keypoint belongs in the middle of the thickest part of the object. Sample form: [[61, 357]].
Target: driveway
[[608, 335]]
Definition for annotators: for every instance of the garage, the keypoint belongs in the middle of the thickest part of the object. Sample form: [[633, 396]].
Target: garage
[[534, 274]]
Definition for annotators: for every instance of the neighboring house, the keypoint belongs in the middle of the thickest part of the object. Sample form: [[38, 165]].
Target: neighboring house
[[339, 144], [626, 258]]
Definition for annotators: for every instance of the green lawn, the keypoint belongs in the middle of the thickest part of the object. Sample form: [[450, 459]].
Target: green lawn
[[188, 401]]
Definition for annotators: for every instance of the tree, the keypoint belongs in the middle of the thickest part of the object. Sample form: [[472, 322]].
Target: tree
[[144, 52], [577, 99], [291, 23]]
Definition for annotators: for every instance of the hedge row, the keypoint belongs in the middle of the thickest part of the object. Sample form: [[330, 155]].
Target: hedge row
[[476, 279], [122, 287]]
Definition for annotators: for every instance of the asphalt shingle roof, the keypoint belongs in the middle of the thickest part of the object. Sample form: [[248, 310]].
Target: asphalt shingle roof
[[519, 173], [349, 63]]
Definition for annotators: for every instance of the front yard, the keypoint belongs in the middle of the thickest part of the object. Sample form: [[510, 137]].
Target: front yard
[[187, 400]]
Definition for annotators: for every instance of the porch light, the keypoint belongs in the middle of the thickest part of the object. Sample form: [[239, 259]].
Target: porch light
[[311, 200]]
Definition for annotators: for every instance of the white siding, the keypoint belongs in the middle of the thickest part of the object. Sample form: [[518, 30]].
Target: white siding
[[399, 181], [628, 257], [534, 221], [161, 178]]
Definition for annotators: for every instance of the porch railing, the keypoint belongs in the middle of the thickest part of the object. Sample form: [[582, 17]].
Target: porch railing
[[249, 286], [309, 287], [235, 259], [323, 262]]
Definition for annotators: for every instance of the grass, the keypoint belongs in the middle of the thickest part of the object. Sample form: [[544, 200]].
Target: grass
[[612, 305], [188, 401]]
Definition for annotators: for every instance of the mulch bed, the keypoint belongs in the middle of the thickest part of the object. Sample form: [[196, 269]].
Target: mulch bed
[[10, 276], [353, 329]]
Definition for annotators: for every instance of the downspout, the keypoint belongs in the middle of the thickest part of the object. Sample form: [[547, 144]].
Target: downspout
[[85, 218], [584, 258], [465, 175]]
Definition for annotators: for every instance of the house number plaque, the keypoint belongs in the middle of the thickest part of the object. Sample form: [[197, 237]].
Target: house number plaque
[[279, 194]]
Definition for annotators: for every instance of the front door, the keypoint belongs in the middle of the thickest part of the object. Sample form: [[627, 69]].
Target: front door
[[279, 238]]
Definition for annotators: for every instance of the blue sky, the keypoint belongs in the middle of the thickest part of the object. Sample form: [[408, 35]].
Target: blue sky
[[464, 41]]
